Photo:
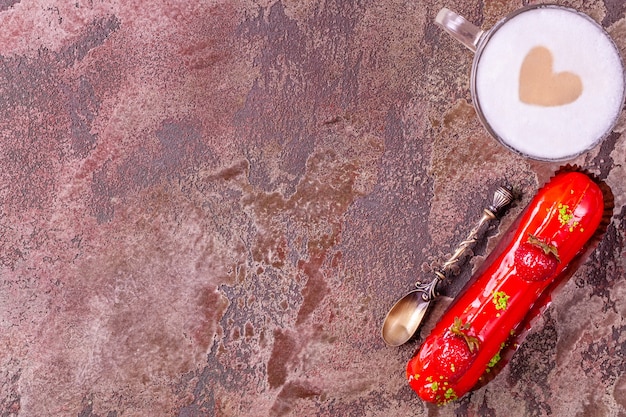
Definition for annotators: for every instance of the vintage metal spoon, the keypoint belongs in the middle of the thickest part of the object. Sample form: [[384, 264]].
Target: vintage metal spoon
[[406, 315]]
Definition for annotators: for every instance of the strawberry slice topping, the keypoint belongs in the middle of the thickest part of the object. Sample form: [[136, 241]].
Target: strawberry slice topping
[[535, 260], [454, 353]]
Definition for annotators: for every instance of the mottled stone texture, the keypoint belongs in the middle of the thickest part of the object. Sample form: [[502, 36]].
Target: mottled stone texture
[[208, 207]]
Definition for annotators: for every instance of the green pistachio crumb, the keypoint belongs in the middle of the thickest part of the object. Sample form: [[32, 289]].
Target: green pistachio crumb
[[450, 395], [501, 300], [565, 214], [494, 361]]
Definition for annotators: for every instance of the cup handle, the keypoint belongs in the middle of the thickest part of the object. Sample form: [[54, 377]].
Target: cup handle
[[459, 28]]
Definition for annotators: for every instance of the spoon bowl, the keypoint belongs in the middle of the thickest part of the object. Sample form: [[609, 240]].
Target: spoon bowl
[[404, 318]]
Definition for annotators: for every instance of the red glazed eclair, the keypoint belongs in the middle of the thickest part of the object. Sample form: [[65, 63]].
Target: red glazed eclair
[[467, 340]]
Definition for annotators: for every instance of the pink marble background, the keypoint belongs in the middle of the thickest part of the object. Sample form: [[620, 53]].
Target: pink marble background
[[208, 207]]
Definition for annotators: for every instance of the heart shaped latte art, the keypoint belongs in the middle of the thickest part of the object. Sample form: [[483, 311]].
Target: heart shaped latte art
[[540, 86]]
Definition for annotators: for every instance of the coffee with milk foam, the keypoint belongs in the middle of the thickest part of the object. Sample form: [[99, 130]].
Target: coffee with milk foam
[[549, 83]]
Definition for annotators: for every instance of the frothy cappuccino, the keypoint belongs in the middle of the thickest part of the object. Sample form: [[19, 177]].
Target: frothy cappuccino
[[548, 82]]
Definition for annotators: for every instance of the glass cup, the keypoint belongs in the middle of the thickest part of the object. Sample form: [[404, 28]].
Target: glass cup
[[547, 81]]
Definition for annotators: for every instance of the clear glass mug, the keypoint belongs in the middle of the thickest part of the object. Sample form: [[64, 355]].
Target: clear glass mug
[[547, 81]]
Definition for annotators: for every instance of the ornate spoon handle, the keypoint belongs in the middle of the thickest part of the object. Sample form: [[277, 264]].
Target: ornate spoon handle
[[501, 198]]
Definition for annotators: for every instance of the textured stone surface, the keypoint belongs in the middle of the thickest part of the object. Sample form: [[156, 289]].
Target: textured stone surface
[[208, 207]]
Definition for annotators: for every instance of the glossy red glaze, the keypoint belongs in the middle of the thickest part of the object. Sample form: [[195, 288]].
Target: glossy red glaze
[[565, 213]]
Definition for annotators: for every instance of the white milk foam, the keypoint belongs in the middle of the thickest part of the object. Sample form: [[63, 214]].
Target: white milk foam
[[579, 46]]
